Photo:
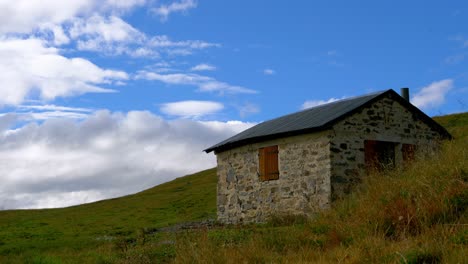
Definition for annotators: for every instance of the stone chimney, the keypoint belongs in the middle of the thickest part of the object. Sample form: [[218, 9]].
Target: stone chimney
[[405, 93]]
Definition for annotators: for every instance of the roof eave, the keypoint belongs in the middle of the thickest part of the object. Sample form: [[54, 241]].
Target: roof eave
[[248, 141]]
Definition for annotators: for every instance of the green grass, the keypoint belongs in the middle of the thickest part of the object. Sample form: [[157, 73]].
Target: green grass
[[88, 227], [416, 215]]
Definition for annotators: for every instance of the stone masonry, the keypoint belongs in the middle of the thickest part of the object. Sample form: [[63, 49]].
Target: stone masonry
[[385, 120], [314, 168], [303, 186]]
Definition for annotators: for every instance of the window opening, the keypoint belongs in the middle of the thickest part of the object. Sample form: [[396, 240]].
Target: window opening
[[379, 155]]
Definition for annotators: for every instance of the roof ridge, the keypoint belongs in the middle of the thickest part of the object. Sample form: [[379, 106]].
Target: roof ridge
[[348, 98], [327, 104]]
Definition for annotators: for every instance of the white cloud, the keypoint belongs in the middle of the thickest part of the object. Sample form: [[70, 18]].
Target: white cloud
[[248, 109], [111, 35], [204, 83], [163, 11], [7, 120], [432, 95], [75, 155], [53, 115], [268, 72], [164, 41], [175, 78], [50, 199], [123, 4], [44, 112], [55, 108], [165, 44], [90, 25], [23, 16], [203, 67], [63, 162], [313, 103], [28, 65], [54, 33], [191, 109]]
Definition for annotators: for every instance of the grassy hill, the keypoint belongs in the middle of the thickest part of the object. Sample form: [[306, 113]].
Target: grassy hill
[[416, 215], [77, 231]]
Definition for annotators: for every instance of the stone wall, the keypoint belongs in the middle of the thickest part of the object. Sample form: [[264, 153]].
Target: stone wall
[[314, 168], [384, 120], [303, 186]]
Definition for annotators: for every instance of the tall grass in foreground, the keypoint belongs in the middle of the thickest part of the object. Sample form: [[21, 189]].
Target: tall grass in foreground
[[415, 215]]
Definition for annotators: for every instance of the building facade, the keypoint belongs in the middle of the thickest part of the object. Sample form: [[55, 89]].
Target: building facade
[[298, 164]]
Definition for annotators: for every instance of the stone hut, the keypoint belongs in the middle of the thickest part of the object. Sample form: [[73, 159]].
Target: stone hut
[[299, 163]]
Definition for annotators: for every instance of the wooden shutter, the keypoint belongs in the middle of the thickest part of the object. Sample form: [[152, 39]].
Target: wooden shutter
[[408, 151], [268, 163], [272, 163], [370, 155], [261, 164]]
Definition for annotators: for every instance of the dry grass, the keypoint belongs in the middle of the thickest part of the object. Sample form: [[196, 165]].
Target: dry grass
[[415, 215]]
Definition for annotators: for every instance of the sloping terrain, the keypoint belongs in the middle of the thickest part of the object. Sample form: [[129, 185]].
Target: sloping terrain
[[416, 215], [85, 226]]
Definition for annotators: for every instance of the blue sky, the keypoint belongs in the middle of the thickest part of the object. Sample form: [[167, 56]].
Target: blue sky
[[141, 83]]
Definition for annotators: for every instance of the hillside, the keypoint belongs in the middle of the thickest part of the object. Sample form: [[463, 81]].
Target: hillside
[[413, 216], [28, 232]]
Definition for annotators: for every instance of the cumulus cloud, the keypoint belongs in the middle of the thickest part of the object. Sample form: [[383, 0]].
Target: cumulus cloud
[[191, 109], [432, 95], [203, 67], [89, 25], [54, 34], [268, 72], [163, 11], [23, 16], [7, 120], [313, 103], [28, 66], [62, 162], [123, 5], [204, 83], [61, 155]]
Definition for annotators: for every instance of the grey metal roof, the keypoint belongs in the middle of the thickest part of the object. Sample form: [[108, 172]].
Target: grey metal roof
[[313, 119]]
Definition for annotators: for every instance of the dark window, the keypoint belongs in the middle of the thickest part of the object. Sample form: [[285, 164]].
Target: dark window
[[268, 163], [379, 155]]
